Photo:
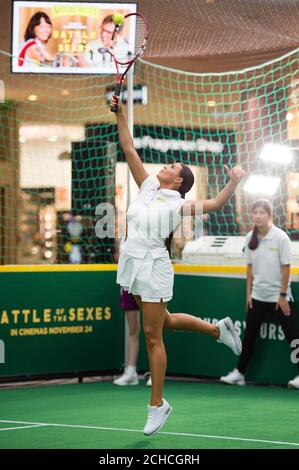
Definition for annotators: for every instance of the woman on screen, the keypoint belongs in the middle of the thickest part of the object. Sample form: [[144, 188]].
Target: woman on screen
[[37, 34]]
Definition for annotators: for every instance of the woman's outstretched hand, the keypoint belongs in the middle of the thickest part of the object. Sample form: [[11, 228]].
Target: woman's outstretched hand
[[116, 103], [236, 173]]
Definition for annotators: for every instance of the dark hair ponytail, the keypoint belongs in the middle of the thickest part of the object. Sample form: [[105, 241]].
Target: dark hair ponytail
[[169, 239], [267, 207], [168, 243], [254, 242], [187, 183]]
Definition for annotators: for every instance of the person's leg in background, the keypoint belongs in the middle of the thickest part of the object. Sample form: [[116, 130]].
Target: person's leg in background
[[147, 376], [289, 325], [132, 317], [131, 309], [254, 319]]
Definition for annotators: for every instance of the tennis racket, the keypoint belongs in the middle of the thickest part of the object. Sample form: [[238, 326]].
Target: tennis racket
[[121, 56]]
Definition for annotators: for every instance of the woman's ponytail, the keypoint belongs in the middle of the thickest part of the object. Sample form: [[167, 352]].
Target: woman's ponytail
[[188, 181], [254, 242]]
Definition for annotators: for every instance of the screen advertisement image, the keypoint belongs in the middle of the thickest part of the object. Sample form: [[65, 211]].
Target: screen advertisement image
[[69, 37]]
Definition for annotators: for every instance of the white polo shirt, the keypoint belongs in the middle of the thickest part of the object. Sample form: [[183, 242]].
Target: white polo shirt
[[273, 252], [151, 218]]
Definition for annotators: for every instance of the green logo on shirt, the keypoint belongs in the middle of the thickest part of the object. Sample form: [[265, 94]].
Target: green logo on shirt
[[160, 200]]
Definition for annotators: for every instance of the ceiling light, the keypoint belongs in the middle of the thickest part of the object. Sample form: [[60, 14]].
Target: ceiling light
[[257, 184], [276, 153]]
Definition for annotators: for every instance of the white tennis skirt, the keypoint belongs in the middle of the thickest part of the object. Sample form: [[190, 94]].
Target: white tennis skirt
[[151, 279]]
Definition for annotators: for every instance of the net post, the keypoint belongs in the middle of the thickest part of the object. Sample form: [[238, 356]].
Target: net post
[[130, 104]]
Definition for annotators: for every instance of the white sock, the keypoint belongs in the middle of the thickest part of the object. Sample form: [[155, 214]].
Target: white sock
[[131, 369]]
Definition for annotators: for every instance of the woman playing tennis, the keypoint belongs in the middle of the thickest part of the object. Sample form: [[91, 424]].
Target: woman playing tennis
[[145, 268]]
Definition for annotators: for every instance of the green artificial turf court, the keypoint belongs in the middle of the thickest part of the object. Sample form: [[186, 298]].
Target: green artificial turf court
[[103, 416]]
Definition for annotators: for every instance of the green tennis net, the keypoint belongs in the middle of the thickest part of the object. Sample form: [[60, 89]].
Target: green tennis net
[[60, 156]]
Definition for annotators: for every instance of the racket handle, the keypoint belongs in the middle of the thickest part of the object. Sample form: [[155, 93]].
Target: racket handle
[[117, 91]]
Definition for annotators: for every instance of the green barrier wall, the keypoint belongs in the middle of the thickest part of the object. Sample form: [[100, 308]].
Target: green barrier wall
[[65, 322], [58, 322]]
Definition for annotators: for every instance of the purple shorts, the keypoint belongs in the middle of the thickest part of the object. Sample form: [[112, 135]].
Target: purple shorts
[[127, 301]]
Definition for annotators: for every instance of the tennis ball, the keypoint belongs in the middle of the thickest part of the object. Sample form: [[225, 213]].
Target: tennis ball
[[118, 19]]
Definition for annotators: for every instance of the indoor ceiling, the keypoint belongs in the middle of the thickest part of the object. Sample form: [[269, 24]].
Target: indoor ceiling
[[220, 34]]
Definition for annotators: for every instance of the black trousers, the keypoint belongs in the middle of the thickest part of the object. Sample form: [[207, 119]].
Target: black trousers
[[255, 317]]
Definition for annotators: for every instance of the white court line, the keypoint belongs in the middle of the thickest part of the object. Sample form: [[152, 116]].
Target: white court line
[[206, 436], [22, 427]]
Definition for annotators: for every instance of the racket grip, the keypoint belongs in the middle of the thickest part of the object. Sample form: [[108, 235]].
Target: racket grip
[[117, 91]]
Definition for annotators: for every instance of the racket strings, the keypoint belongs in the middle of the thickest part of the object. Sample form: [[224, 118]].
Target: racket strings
[[141, 32], [121, 50], [120, 47]]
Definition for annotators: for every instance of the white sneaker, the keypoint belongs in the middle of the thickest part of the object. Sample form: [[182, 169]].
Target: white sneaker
[[128, 378], [294, 383], [157, 415], [149, 382], [233, 378], [229, 335]]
